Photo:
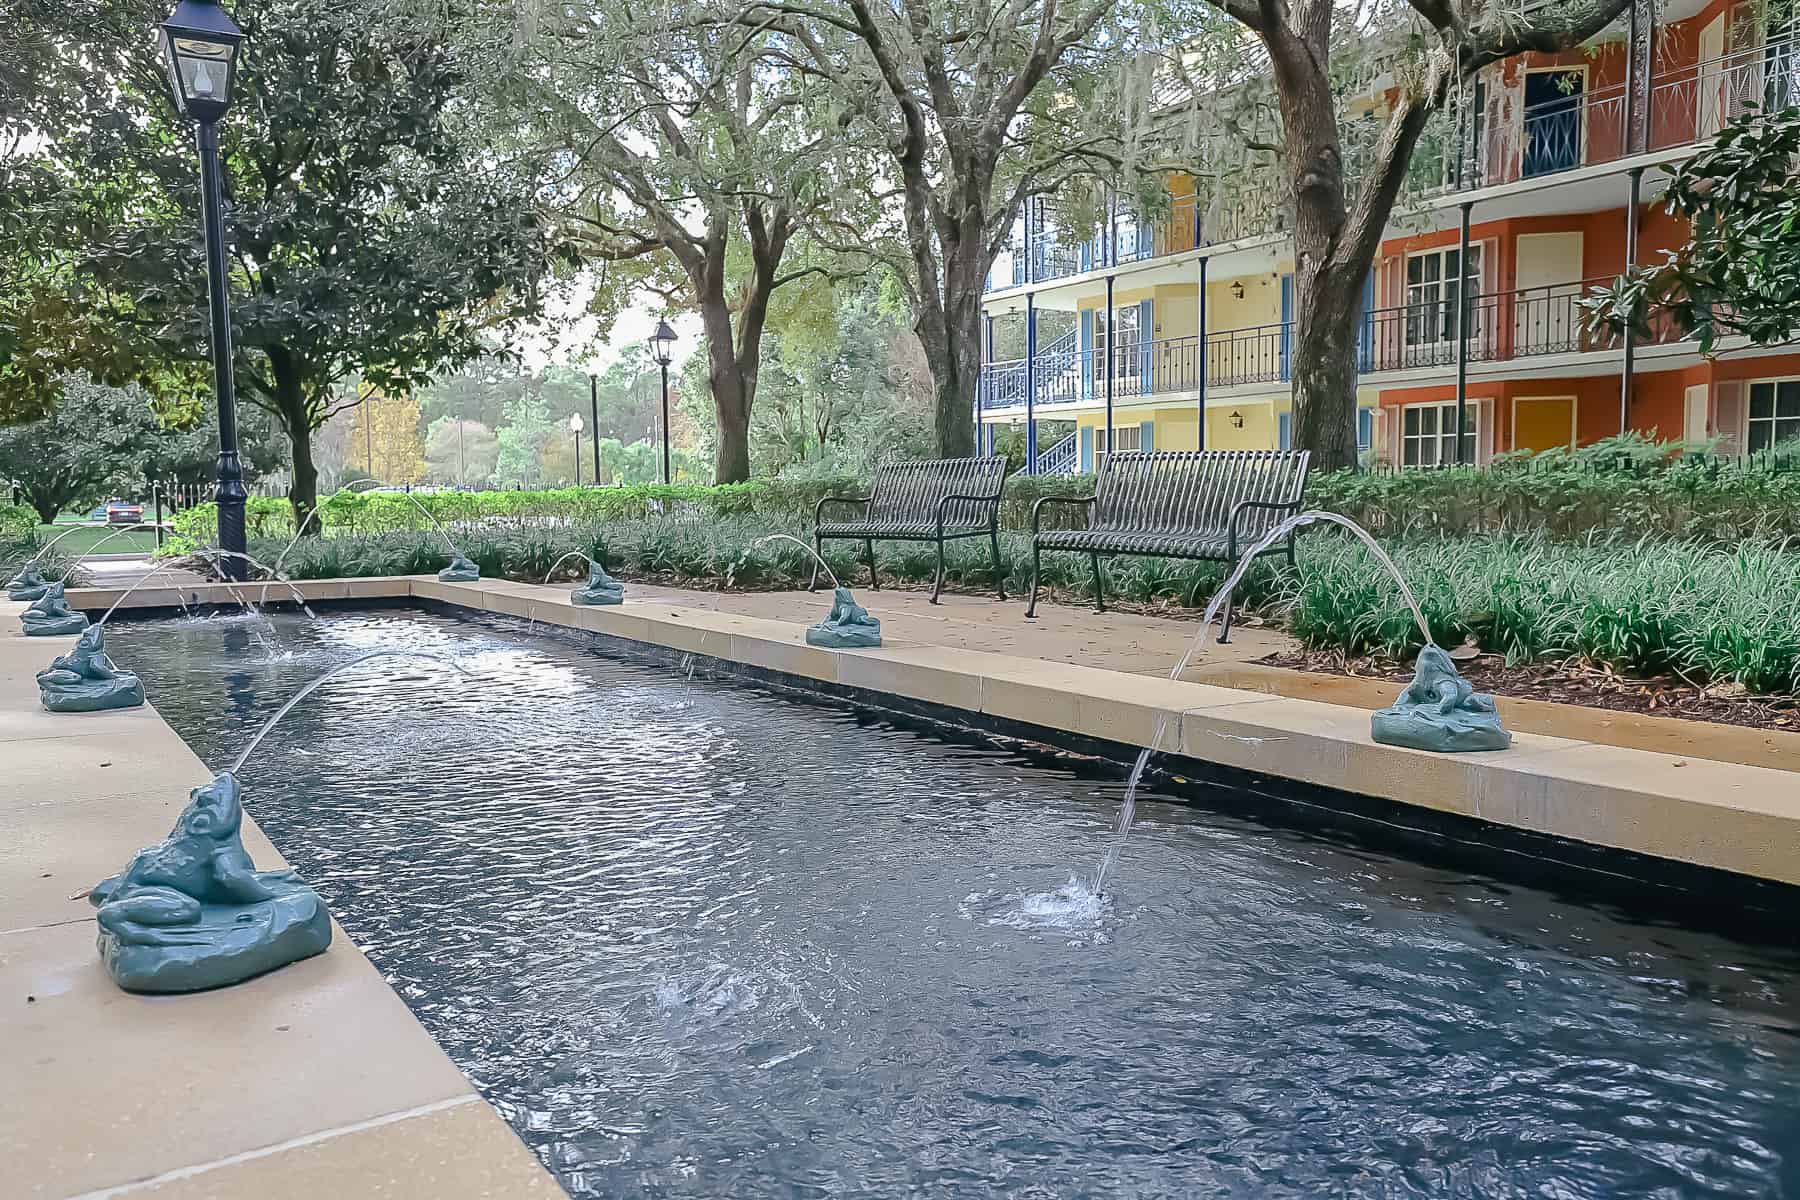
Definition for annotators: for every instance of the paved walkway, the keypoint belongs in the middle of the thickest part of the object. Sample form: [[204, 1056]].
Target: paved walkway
[[313, 1081], [1142, 645]]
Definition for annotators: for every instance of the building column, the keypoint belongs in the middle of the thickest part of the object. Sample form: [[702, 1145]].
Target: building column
[[986, 431], [1111, 319], [1628, 348], [1462, 334], [1030, 384], [1200, 348]]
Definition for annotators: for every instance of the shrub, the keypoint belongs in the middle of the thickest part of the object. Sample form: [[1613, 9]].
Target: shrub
[[17, 521]]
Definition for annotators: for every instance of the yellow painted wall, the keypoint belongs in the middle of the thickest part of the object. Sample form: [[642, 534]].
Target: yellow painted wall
[[1177, 310], [1258, 432]]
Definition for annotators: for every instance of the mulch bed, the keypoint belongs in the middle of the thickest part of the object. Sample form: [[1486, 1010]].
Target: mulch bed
[[1575, 682]]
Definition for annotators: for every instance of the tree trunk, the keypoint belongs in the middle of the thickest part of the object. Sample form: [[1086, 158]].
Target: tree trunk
[[1326, 312], [1324, 370], [47, 504], [949, 329], [296, 419]]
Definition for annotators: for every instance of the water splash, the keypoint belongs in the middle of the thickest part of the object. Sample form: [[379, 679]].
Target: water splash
[[298, 595], [1213, 609], [312, 687], [810, 553], [1074, 905]]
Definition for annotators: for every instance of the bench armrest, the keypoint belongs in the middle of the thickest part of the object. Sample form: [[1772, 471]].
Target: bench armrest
[[993, 503], [1242, 506], [1037, 509], [819, 508]]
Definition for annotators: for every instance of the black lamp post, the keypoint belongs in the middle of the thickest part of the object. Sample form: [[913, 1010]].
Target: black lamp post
[[200, 44], [662, 347], [575, 432]]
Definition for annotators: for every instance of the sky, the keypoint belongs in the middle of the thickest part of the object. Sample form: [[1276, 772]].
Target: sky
[[571, 334]]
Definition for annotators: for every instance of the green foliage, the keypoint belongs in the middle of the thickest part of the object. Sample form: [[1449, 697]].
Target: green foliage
[[17, 522], [1645, 608], [1623, 487], [1739, 271], [95, 438], [375, 236]]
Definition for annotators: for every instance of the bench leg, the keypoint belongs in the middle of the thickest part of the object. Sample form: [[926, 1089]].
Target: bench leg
[[874, 579], [1225, 631], [1031, 605], [999, 571], [937, 583], [819, 553], [1099, 588]]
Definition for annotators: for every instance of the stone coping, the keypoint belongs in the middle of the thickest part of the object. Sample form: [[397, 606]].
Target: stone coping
[[312, 1081], [1678, 805]]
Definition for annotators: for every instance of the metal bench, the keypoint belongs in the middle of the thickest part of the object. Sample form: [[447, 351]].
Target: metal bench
[[935, 500], [1208, 505]]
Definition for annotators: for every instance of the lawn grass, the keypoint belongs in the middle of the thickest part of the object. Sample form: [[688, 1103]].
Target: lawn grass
[[84, 539]]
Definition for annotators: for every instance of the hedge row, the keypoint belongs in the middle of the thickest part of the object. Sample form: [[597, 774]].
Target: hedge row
[[1623, 487], [1644, 608]]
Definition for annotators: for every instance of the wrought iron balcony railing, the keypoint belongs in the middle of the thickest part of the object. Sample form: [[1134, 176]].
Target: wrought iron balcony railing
[[1500, 326], [1678, 106]]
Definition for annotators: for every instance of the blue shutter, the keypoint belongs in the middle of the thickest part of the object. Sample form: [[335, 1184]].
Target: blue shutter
[[1365, 428], [1146, 332], [1284, 431], [1084, 254], [1365, 338], [1147, 432], [1287, 323], [1087, 353], [1087, 448]]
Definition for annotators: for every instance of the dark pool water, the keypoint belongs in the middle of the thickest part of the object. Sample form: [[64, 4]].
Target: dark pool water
[[696, 940]]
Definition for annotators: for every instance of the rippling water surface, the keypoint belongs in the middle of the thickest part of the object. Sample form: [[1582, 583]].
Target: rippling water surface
[[696, 940]]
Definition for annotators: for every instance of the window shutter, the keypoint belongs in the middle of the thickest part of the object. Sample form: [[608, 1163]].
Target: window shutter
[[1484, 432], [1284, 431], [1728, 416], [1365, 337], [1287, 323], [1087, 445], [1147, 432], [1365, 428]]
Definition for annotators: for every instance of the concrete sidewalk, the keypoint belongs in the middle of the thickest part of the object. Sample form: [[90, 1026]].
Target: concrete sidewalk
[[309, 1082]]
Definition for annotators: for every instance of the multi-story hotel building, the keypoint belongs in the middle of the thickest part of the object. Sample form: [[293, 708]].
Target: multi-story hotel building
[[1524, 197]]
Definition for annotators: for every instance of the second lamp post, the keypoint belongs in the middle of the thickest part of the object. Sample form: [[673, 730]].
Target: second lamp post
[[662, 348]]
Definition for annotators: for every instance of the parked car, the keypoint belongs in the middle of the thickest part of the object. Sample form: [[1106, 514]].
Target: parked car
[[123, 512]]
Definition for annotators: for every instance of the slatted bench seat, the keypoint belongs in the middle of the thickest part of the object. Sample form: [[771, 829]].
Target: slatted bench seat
[[933, 500], [1208, 505]]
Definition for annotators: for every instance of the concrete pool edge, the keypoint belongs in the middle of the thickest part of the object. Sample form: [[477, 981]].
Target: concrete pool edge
[[1723, 816], [312, 1079]]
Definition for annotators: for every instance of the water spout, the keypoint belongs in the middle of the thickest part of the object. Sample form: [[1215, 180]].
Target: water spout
[[293, 590], [438, 525], [810, 553], [1213, 608], [310, 688], [93, 549], [565, 558]]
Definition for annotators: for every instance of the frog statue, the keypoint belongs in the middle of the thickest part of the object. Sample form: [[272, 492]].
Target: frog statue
[[85, 679], [460, 570], [50, 615], [1440, 711], [848, 627], [27, 585], [600, 587], [193, 912]]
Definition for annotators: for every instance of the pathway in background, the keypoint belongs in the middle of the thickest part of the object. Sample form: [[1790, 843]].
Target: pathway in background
[[1116, 641]]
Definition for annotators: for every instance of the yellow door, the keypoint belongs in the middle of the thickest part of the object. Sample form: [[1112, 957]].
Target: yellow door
[[1540, 422]]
